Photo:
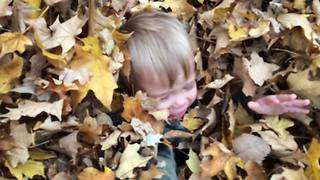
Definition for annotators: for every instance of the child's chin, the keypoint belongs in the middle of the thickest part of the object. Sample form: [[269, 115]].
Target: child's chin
[[177, 117]]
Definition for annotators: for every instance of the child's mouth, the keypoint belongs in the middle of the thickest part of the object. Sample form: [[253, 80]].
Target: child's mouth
[[177, 115]]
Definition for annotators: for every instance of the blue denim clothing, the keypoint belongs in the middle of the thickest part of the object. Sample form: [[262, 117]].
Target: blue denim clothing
[[166, 154]]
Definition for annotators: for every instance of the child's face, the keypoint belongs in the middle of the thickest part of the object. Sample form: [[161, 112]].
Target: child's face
[[177, 98]]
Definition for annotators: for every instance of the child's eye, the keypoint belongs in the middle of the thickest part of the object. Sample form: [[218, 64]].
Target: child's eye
[[189, 85], [164, 98]]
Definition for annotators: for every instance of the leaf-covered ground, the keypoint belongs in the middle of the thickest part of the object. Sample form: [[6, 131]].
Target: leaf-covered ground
[[62, 116]]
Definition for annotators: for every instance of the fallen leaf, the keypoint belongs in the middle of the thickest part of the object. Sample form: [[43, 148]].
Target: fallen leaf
[[251, 148], [151, 173], [255, 171], [38, 154], [219, 83], [111, 140], [23, 139], [193, 162], [52, 2], [279, 125], [11, 42], [191, 123], [93, 173], [32, 109], [91, 130], [313, 156], [280, 146], [29, 169], [98, 67], [10, 72], [5, 9], [300, 84], [64, 34], [290, 174], [240, 68], [7, 144], [81, 75], [219, 154], [259, 70], [48, 125], [132, 108], [130, 159], [237, 33], [180, 8], [70, 144], [290, 20]]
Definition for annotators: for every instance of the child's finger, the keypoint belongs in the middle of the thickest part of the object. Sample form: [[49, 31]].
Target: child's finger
[[286, 97], [254, 106], [298, 110], [297, 103]]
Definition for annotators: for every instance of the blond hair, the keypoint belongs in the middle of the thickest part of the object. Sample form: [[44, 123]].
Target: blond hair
[[159, 43]]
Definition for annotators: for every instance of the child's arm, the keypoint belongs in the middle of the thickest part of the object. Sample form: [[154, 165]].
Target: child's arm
[[279, 104]]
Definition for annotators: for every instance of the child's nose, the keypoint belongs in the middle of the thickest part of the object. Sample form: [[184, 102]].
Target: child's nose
[[180, 100]]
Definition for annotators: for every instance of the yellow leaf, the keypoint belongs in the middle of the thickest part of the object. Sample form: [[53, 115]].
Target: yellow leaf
[[313, 156], [10, 42], [92, 44], [29, 169], [300, 84], [132, 108], [180, 8], [299, 4], [35, 4], [102, 83], [291, 20], [192, 123], [237, 33], [91, 173], [290, 174], [279, 125], [55, 59], [263, 27], [10, 72], [38, 154]]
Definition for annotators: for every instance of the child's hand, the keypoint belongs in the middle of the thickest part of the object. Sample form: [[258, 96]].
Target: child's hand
[[279, 104]]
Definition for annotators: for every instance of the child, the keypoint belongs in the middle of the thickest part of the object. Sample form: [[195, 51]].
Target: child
[[163, 67]]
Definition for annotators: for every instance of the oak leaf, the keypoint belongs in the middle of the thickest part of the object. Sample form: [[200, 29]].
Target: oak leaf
[[9, 72], [11, 42], [102, 83], [32, 109]]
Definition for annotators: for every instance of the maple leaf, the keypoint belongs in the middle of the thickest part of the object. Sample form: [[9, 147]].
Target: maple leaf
[[9, 72], [180, 8], [129, 160], [279, 125], [313, 156], [29, 169], [93, 173], [23, 140], [132, 108], [102, 83], [32, 109], [259, 70], [220, 155], [5, 9], [64, 34], [11, 42]]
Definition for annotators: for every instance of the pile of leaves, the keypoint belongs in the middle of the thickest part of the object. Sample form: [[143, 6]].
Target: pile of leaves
[[62, 116]]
